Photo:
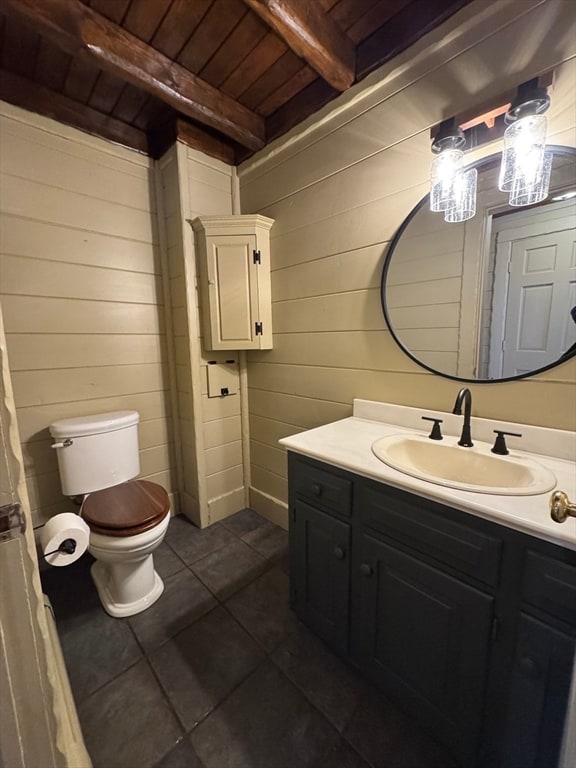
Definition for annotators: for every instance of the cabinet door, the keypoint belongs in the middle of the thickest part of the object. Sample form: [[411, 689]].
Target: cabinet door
[[232, 292], [538, 696], [425, 638], [320, 573]]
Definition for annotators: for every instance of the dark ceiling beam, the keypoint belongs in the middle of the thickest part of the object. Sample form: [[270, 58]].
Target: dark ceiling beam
[[195, 138], [164, 137], [33, 97], [313, 35], [78, 29]]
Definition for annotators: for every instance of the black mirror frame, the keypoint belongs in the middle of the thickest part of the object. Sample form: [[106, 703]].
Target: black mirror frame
[[391, 248]]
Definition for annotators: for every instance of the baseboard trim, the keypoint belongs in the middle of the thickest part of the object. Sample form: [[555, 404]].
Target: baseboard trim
[[269, 507]]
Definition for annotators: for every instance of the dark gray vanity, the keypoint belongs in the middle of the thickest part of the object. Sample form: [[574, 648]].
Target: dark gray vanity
[[468, 625]]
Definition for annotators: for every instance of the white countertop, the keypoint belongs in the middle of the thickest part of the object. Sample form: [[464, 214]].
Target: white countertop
[[348, 444]]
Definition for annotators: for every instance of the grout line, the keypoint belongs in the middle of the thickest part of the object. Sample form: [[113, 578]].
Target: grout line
[[267, 654]]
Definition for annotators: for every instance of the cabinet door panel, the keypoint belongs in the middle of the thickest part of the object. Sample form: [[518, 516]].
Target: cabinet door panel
[[320, 574], [425, 638], [232, 291], [538, 696]]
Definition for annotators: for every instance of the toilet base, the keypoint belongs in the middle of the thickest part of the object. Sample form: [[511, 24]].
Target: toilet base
[[103, 578]]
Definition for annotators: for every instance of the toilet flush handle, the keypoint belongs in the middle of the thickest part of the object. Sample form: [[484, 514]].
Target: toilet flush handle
[[63, 444]]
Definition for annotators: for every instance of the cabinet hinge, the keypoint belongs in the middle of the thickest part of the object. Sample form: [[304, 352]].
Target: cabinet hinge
[[259, 330], [495, 630], [256, 255]]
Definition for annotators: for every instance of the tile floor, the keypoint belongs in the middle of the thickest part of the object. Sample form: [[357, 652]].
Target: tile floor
[[219, 673]]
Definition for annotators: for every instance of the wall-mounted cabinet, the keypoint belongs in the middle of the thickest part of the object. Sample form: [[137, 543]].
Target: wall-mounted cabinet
[[234, 267]]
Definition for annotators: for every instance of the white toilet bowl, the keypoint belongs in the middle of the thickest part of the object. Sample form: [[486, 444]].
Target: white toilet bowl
[[127, 523]]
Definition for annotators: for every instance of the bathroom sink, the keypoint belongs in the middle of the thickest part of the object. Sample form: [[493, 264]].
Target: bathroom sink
[[469, 469]]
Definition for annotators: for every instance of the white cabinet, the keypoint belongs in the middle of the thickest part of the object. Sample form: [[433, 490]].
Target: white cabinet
[[234, 266]]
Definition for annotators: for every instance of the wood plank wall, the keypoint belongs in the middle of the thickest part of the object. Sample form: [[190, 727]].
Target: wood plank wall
[[210, 185], [193, 185], [338, 189], [81, 293]]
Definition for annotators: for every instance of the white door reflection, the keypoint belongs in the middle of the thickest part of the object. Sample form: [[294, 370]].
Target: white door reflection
[[534, 286]]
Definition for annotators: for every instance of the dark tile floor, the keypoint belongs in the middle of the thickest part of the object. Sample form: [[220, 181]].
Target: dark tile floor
[[219, 673]]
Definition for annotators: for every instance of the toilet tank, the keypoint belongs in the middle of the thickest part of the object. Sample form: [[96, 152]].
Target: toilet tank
[[96, 452]]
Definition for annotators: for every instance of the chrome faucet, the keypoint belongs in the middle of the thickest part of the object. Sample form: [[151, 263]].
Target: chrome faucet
[[466, 396]]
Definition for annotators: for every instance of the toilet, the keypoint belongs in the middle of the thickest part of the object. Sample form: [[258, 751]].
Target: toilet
[[98, 461]]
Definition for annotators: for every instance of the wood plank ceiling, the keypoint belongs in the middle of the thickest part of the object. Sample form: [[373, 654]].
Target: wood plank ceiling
[[225, 76]]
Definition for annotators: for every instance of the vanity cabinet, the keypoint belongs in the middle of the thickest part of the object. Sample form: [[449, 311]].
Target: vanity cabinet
[[467, 625], [539, 688], [234, 284]]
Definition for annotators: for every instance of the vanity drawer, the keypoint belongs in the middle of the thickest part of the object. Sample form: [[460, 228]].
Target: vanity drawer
[[550, 585], [423, 526], [323, 488]]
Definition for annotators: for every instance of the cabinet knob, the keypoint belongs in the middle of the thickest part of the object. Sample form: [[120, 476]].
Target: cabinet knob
[[366, 569], [317, 489], [529, 668], [339, 553]]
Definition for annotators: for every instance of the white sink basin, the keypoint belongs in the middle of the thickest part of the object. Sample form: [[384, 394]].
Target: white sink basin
[[469, 469]]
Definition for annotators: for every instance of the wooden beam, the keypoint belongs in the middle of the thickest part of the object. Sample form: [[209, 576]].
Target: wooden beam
[[197, 138], [78, 29], [313, 35], [37, 98]]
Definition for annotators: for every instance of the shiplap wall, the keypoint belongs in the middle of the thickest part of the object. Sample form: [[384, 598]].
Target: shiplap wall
[[192, 185], [210, 192], [81, 293], [340, 186], [424, 290]]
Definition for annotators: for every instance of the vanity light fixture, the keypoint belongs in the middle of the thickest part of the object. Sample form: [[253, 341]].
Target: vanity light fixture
[[452, 187], [526, 165]]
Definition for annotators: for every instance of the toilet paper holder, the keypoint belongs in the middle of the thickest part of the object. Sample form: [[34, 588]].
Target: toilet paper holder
[[64, 538], [67, 547]]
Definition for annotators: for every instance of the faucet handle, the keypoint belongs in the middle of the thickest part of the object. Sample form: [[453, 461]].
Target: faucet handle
[[435, 434], [500, 443]]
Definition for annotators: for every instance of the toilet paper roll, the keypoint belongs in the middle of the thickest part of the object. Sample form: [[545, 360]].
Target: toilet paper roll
[[64, 539]]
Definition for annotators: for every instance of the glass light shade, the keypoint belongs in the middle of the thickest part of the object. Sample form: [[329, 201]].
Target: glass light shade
[[445, 168], [524, 146], [532, 187], [464, 190]]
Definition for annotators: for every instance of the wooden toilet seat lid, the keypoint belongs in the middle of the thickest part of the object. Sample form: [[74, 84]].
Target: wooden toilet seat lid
[[127, 509]]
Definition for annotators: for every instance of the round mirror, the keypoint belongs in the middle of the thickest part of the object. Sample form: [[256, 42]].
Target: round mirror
[[492, 298]]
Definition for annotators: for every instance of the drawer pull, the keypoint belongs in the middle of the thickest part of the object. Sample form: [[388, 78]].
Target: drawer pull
[[366, 569], [529, 668], [317, 489], [339, 553]]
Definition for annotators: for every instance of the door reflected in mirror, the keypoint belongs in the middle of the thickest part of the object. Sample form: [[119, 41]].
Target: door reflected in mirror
[[492, 298]]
